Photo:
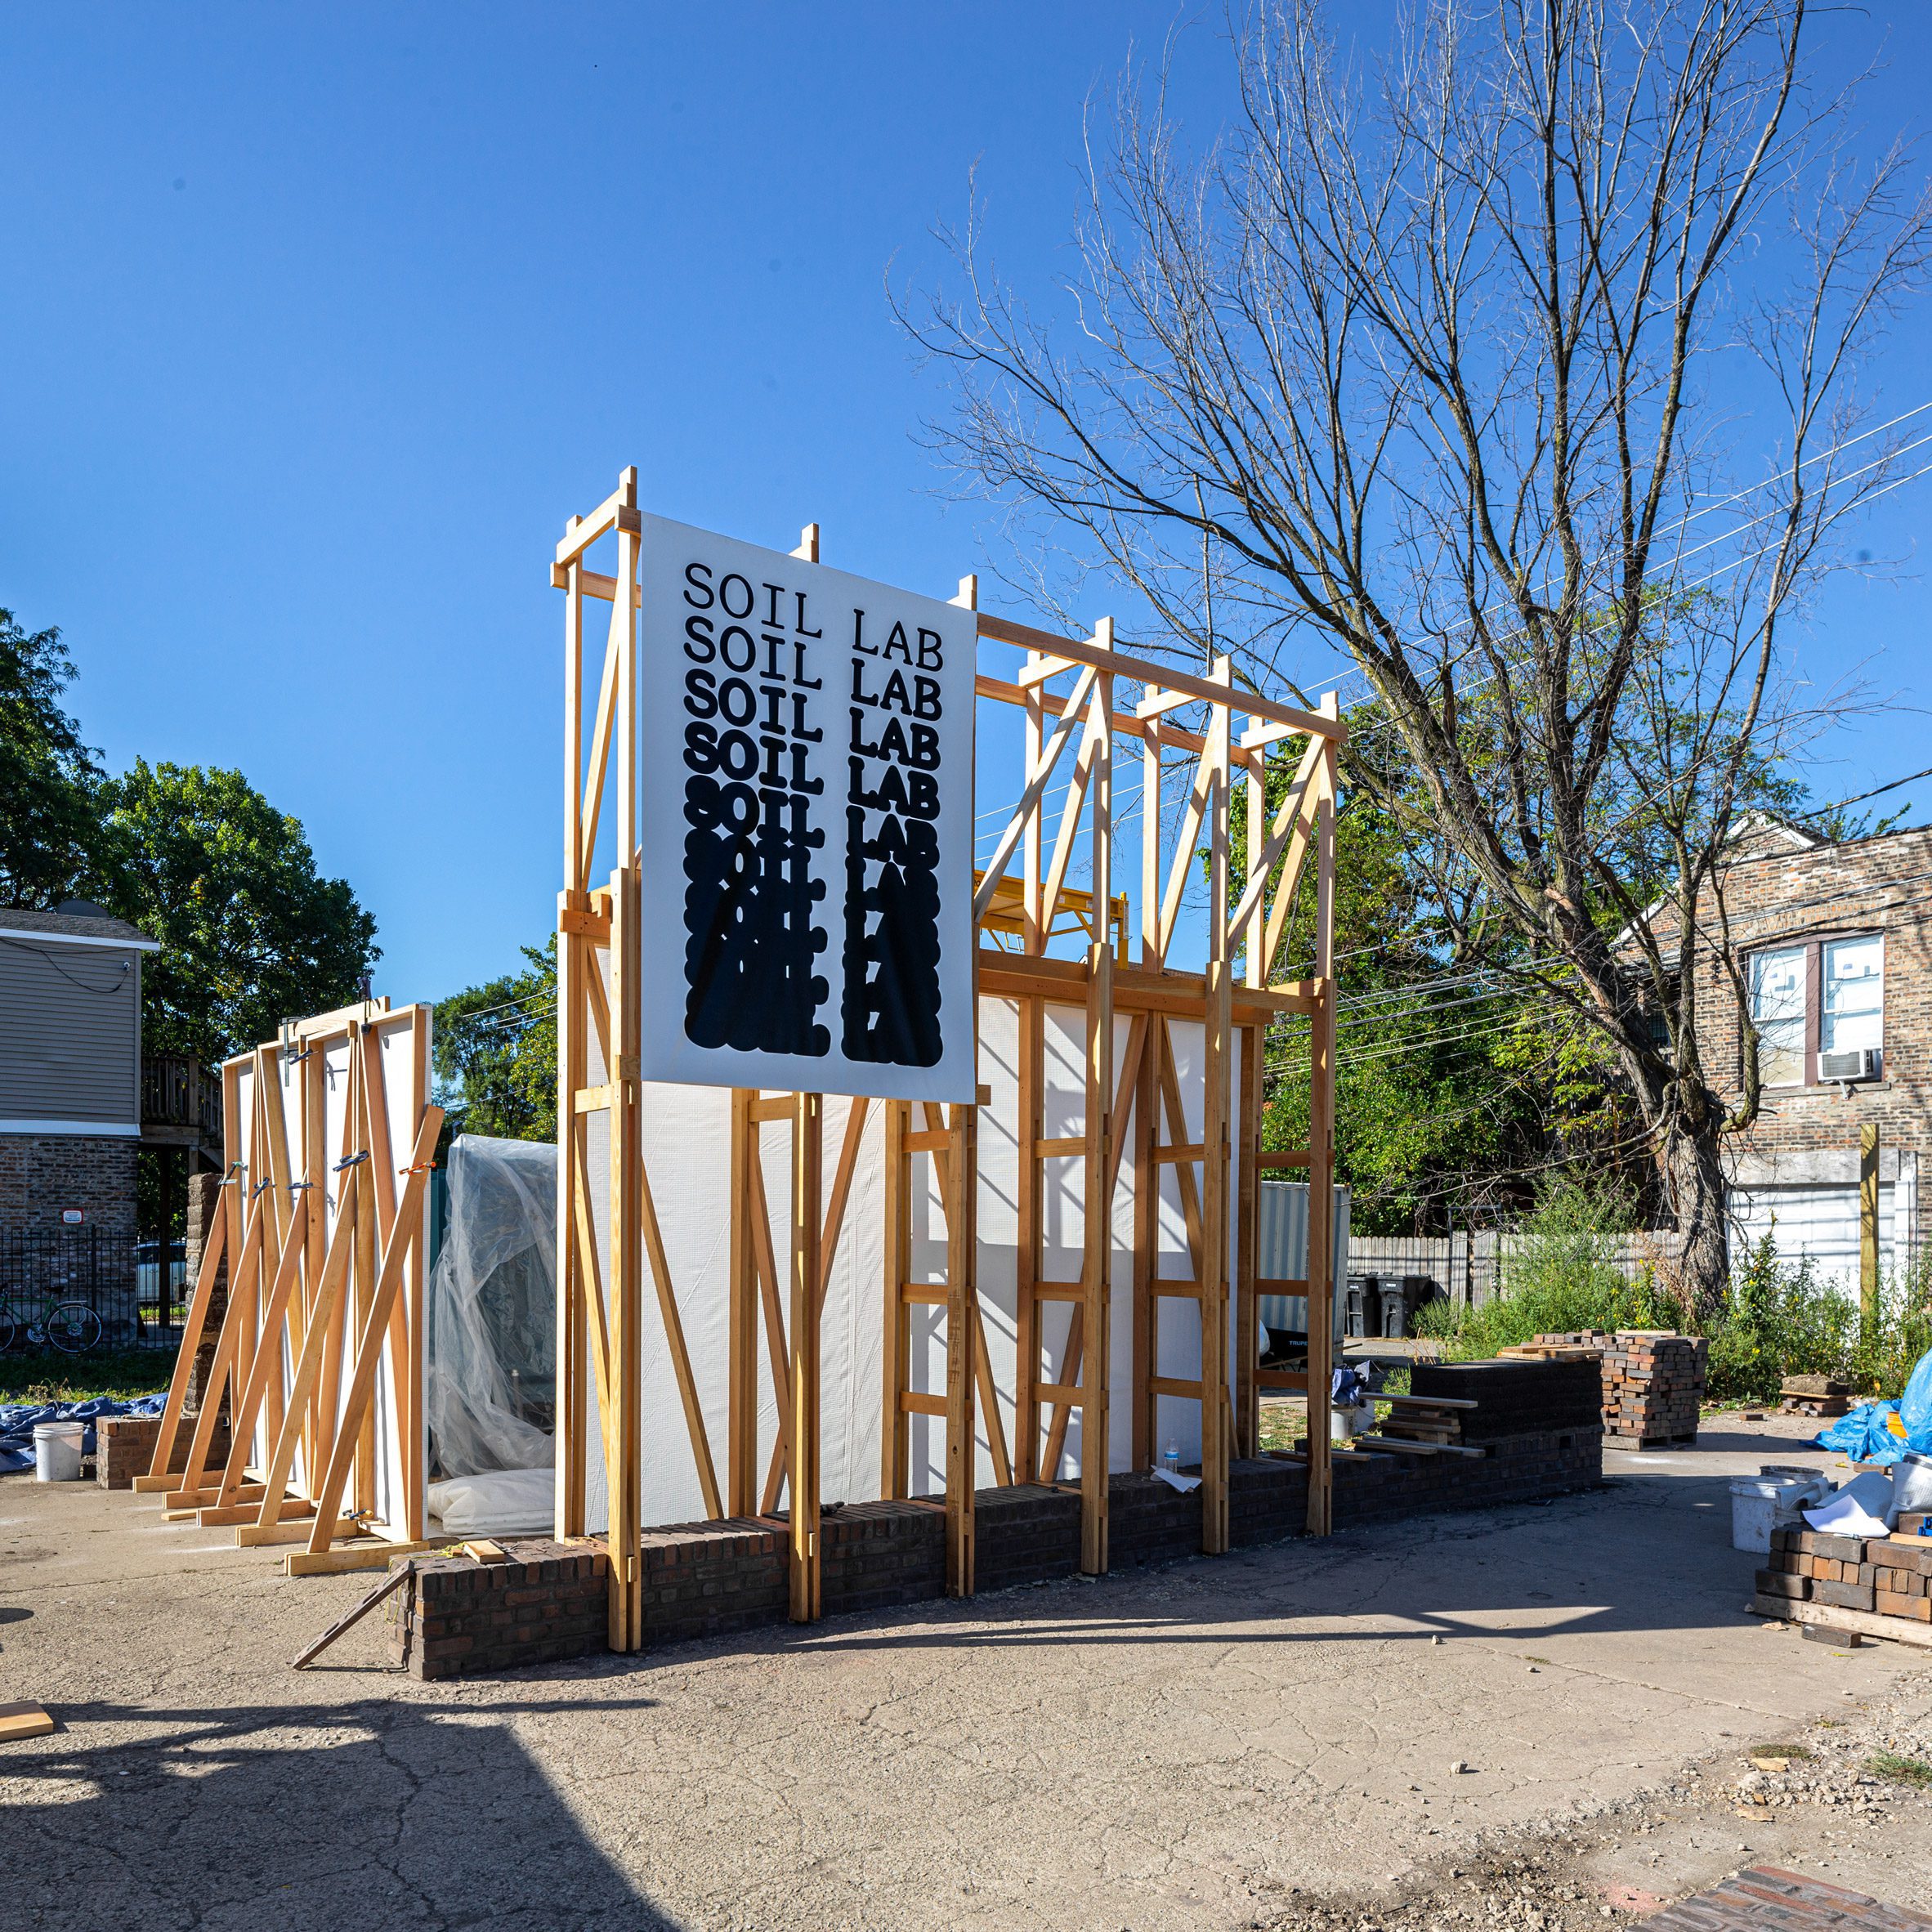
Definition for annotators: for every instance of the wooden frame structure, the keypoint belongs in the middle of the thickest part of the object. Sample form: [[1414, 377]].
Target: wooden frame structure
[[1140, 1114], [330, 1136]]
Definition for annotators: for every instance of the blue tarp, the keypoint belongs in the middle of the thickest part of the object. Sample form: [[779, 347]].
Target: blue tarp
[[17, 1420], [1865, 1435]]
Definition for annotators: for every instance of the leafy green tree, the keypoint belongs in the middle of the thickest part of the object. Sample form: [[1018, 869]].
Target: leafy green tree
[[49, 823], [1431, 1114], [251, 934], [496, 1052]]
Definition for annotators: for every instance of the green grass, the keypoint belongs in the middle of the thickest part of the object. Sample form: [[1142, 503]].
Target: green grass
[[1905, 1770], [45, 1375]]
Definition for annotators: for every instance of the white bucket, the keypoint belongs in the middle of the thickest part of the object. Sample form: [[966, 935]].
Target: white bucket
[[57, 1451], [1762, 1503], [1349, 1419]]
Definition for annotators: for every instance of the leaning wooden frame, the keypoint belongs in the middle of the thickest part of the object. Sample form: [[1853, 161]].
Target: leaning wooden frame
[[318, 1355], [1168, 1073]]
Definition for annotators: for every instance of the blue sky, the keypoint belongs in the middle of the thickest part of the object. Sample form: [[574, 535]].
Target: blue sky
[[320, 323]]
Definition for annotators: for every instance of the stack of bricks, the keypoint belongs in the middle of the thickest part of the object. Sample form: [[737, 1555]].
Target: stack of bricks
[[1878, 1574], [1652, 1381], [1515, 1398], [456, 1617]]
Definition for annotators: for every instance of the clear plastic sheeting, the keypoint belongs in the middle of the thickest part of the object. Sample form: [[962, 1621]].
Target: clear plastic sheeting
[[492, 1356]]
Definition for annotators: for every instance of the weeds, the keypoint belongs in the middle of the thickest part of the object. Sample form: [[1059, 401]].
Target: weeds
[[48, 1376], [1563, 1275], [1901, 1770]]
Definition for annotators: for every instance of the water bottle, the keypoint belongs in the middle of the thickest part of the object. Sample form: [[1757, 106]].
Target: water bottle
[[1172, 1459]]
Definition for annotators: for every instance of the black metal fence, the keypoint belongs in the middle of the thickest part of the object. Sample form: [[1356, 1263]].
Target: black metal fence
[[121, 1279]]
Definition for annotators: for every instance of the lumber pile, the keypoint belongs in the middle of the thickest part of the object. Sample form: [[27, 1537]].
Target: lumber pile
[[1424, 1422], [1814, 1395], [1850, 1582], [1652, 1380]]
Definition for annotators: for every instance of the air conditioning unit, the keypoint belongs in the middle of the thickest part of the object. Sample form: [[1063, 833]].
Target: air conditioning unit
[[1861, 1063]]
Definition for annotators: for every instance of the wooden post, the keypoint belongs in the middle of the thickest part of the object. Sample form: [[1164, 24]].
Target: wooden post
[[1321, 1162], [626, 1284], [1096, 1194], [1869, 1310], [896, 1351], [1247, 1210], [962, 1345], [572, 1069], [1217, 1060], [1146, 1237], [802, 1445], [742, 1424]]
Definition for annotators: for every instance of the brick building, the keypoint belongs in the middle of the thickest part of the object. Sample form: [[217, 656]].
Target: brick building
[[1834, 941], [70, 1070]]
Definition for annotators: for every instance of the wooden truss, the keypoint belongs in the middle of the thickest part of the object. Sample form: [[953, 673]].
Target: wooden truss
[[1070, 695], [329, 1138]]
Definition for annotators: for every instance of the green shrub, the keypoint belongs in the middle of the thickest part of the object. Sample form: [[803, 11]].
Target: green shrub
[[1560, 1275]]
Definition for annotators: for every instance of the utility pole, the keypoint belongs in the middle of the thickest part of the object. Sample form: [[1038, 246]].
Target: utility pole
[[1868, 1230]]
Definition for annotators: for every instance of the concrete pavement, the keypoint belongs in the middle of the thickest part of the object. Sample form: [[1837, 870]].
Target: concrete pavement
[[1263, 1738]]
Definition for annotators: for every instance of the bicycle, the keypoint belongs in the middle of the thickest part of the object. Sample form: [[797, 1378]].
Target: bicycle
[[71, 1327]]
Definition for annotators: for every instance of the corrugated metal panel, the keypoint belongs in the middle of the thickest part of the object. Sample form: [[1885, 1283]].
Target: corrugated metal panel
[[1282, 1253], [69, 1033]]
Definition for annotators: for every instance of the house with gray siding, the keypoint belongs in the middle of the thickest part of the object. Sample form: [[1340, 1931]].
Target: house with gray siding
[[70, 1069]]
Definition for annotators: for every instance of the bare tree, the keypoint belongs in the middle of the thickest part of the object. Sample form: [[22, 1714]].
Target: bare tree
[[1527, 368]]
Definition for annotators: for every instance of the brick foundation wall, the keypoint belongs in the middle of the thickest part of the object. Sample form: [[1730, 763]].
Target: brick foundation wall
[[709, 1579], [457, 1617], [41, 1175], [124, 1446]]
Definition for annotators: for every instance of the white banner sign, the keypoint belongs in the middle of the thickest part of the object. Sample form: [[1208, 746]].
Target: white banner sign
[[806, 802]]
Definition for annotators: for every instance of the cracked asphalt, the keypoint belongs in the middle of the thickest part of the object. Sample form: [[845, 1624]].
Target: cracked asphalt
[[1268, 1738]]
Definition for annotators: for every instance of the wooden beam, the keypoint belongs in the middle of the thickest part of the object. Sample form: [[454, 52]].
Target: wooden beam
[[963, 1346], [1217, 1071], [741, 1368], [1163, 677], [407, 1228], [895, 1354], [1321, 1263], [1064, 733], [802, 1470]]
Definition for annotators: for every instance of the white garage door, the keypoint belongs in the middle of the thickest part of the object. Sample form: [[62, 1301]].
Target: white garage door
[[1822, 1221]]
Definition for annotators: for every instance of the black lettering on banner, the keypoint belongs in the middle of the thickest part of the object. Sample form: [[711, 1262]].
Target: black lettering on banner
[[889, 1007], [751, 947]]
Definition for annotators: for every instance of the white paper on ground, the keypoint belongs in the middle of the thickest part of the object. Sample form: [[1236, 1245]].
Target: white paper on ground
[[1858, 1509]]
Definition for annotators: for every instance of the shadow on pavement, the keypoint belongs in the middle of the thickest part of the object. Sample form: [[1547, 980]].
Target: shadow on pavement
[[300, 1817]]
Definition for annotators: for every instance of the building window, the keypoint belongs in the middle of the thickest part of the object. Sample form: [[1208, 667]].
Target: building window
[[1854, 979], [1825, 996], [1777, 1011]]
